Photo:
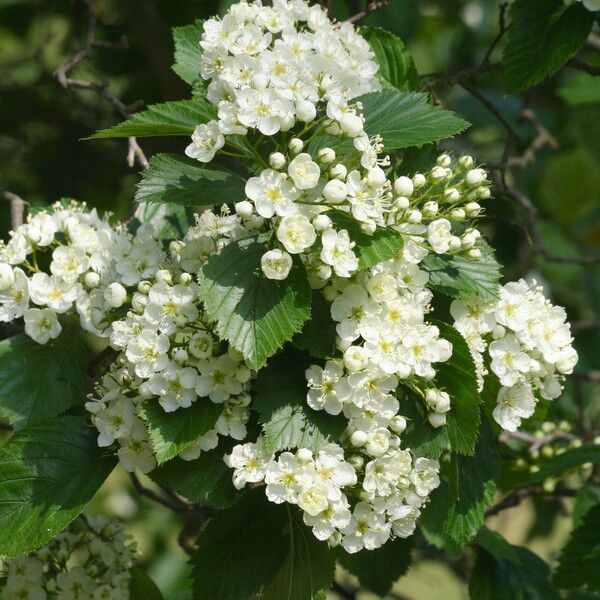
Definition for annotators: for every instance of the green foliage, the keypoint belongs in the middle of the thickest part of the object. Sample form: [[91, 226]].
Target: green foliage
[[587, 497], [318, 334], [48, 473], [169, 221], [460, 277], [457, 377], [259, 546], [170, 433], [141, 587], [396, 66], [385, 243], [188, 53], [180, 180], [407, 119], [309, 564], [507, 572], [280, 400], [255, 314], [206, 480], [378, 570], [544, 35], [169, 118], [38, 381], [581, 89]]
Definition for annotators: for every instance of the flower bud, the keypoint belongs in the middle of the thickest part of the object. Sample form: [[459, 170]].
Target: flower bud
[[443, 160], [138, 302], [277, 159], [438, 173], [454, 243], [414, 216], [330, 293], [472, 209], [458, 214], [430, 209], [91, 279], [143, 286], [335, 191], [403, 186], [402, 202], [474, 253], [476, 177], [180, 355], [245, 208], [451, 195], [357, 461], [115, 295], [304, 455], [186, 278], [368, 228], [286, 121], [164, 276], [398, 424], [437, 419], [296, 145], [305, 111], [484, 192], [376, 177], [358, 438], [351, 124], [326, 156], [321, 222], [498, 332], [419, 180], [466, 162], [338, 171]]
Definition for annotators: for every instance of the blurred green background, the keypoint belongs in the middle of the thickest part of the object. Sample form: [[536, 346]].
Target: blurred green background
[[42, 159]]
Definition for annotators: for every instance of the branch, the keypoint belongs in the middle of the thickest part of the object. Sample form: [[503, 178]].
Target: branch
[[371, 8], [515, 498], [585, 325], [134, 153], [17, 209], [503, 28], [542, 138], [168, 502], [584, 67]]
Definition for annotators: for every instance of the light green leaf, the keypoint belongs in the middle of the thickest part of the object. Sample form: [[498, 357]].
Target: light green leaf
[[182, 181], [280, 400], [378, 570], [396, 66], [383, 244], [581, 89], [48, 473], [170, 433], [240, 550], [543, 36], [141, 587], [457, 377], [169, 118], [460, 277], [255, 314], [206, 480], [188, 53], [309, 564], [407, 119], [38, 381]]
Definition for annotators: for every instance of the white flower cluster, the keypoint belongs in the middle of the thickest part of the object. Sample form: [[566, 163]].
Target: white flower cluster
[[269, 67], [528, 342], [90, 560], [391, 489], [169, 355]]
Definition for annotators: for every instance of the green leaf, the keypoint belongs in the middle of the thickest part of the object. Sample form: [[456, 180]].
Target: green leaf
[[543, 36], [581, 89], [459, 277], [48, 473], [407, 119], [385, 243], [255, 314], [472, 489], [169, 118], [506, 572], [396, 66], [432, 520], [206, 480], [170, 433], [378, 570], [38, 381], [141, 587], [587, 497], [457, 377], [309, 564], [181, 180], [241, 550], [188, 53], [318, 334], [418, 160], [169, 221], [280, 400]]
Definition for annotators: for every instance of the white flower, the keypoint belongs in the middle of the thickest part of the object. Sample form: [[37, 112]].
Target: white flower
[[272, 193], [207, 139], [336, 516], [367, 529], [262, 109], [135, 451], [425, 476], [296, 234], [509, 361], [148, 352], [53, 291], [175, 386], [439, 234], [332, 470], [217, 379], [313, 498], [201, 344], [249, 461], [304, 171], [69, 262], [326, 387], [7, 276], [41, 324], [515, 403], [276, 264], [337, 252], [285, 479], [14, 300]]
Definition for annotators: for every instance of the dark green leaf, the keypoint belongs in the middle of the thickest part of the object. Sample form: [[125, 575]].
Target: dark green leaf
[[432, 519], [241, 549], [580, 558], [280, 400], [255, 314], [206, 480], [169, 118], [384, 244], [544, 35], [418, 160], [587, 497], [472, 489], [457, 377], [407, 119], [378, 570], [170, 433], [48, 473], [396, 66], [141, 587], [309, 564], [188, 53], [181, 180], [38, 381], [318, 334], [459, 277]]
